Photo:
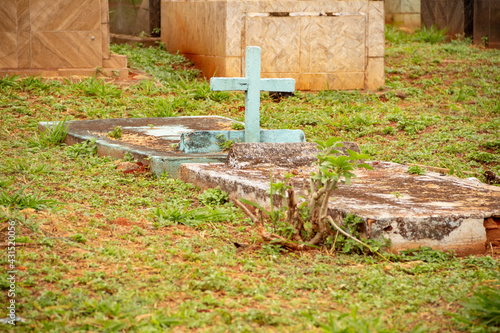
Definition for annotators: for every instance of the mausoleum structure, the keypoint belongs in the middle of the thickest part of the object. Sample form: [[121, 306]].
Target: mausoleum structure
[[321, 44], [403, 13], [57, 38]]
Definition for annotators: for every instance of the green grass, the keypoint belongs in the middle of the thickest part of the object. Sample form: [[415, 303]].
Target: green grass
[[106, 251]]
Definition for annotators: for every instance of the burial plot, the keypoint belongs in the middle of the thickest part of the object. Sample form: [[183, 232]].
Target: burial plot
[[165, 143], [442, 212], [432, 210], [321, 44]]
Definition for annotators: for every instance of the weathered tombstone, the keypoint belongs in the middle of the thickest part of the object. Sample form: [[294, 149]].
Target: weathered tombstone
[[252, 84], [487, 22], [454, 15]]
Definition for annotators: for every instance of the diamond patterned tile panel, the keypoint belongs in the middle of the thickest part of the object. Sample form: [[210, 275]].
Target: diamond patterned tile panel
[[8, 13], [65, 15], [279, 40], [66, 49]]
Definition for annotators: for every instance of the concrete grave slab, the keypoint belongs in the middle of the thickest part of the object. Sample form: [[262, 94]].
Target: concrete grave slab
[[151, 141], [442, 212]]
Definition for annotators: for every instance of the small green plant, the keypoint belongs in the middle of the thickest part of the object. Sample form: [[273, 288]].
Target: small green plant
[[484, 157], [53, 135], [308, 223], [237, 126], [352, 323], [79, 238], [397, 194], [389, 130], [83, 149], [416, 170], [19, 200], [116, 133], [349, 245], [213, 197], [485, 41], [430, 35], [224, 143], [484, 305], [175, 214]]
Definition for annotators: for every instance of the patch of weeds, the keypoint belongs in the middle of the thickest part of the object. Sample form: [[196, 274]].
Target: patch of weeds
[[83, 149], [9, 82], [214, 281], [116, 133], [137, 231], [213, 197], [237, 126], [95, 87], [173, 215], [5, 183], [483, 306], [416, 170], [413, 126], [425, 254], [347, 245], [493, 144], [430, 35], [352, 323], [263, 317], [54, 135], [224, 143], [78, 238], [19, 200], [156, 61], [389, 130], [482, 261], [483, 157]]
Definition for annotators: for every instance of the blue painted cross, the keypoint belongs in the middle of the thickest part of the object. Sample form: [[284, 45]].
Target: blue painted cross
[[252, 84]]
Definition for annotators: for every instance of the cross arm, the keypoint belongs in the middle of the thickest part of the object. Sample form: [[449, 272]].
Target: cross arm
[[228, 83], [285, 85]]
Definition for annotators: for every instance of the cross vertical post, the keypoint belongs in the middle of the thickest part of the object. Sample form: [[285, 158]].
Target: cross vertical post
[[252, 95], [252, 84]]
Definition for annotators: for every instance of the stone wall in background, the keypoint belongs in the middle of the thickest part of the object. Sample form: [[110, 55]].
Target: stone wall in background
[[403, 13], [56, 38], [321, 44]]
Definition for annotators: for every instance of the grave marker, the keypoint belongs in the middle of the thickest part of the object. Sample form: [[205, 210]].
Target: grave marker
[[252, 84]]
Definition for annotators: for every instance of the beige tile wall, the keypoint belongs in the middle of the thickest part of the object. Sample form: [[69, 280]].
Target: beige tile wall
[[336, 51], [54, 34]]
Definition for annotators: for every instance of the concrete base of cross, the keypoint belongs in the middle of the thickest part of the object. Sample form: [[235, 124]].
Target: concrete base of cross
[[211, 141]]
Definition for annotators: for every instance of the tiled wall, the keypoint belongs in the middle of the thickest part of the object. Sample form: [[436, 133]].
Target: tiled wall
[[54, 34], [321, 44], [404, 13]]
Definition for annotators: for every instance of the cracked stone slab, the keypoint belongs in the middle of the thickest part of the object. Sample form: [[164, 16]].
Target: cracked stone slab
[[443, 212], [251, 155]]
